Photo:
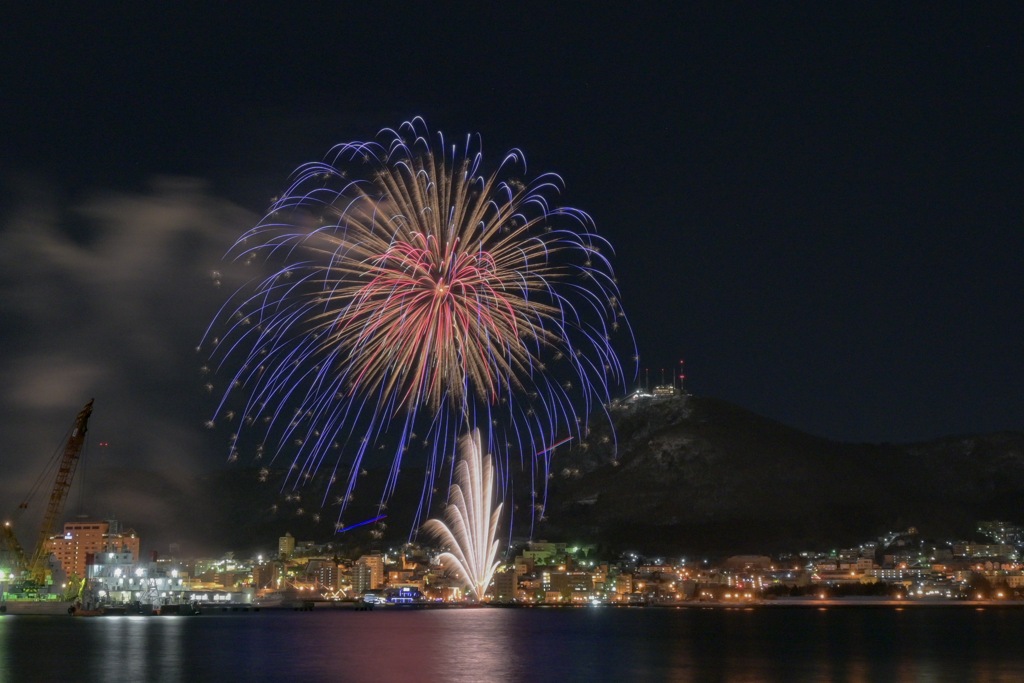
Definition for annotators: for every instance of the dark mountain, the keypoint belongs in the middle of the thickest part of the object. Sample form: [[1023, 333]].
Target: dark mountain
[[685, 475], [701, 475]]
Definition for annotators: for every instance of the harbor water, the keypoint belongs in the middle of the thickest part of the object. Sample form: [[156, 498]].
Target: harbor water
[[957, 643]]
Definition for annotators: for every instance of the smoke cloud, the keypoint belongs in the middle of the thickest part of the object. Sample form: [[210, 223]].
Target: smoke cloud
[[107, 298]]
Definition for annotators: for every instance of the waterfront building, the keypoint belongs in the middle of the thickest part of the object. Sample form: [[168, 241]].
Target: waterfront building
[[505, 586], [323, 573], [265, 575], [573, 586], [623, 584], [84, 539], [118, 578], [361, 578], [374, 565]]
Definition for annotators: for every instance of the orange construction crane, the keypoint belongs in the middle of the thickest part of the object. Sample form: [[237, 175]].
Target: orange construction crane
[[35, 567]]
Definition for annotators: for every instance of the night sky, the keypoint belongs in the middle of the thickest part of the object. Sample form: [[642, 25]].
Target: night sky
[[820, 211]]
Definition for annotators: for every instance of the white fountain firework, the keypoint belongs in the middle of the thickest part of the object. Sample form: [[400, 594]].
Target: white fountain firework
[[470, 527]]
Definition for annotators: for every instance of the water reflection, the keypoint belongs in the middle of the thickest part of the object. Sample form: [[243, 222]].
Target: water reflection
[[442, 645], [848, 644], [131, 648]]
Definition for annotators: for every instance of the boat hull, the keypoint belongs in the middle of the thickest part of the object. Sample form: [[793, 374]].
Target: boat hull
[[37, 607]]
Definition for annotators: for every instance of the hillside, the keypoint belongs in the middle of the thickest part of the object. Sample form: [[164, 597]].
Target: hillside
[[687, 475], [702, 474]]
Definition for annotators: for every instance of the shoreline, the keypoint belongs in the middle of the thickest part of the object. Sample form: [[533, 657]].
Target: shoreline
[[800, 603], [786, 603], [888, 602], [779, 603]]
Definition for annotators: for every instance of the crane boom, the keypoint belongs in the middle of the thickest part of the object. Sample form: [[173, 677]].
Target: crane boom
[[68, 463], [10, 542]]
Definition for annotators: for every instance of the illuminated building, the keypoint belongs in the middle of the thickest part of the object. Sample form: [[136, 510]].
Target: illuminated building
[[361, 577], [404, 595], [984, 550], [82, 540], [265, 575], [375, 565], [323, 573], [896, 574], [503, 587], [286, 545], [368, 573], [748, 563], [544, 552], [1002, 532], [406, 578], [664, 391], [568, 585], [117, 578]]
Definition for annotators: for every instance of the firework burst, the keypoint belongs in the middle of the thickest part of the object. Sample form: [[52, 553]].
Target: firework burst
[[469, 531], [411, 293]]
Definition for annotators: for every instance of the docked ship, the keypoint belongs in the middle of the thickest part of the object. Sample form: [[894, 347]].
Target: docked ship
[[37, 607]]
